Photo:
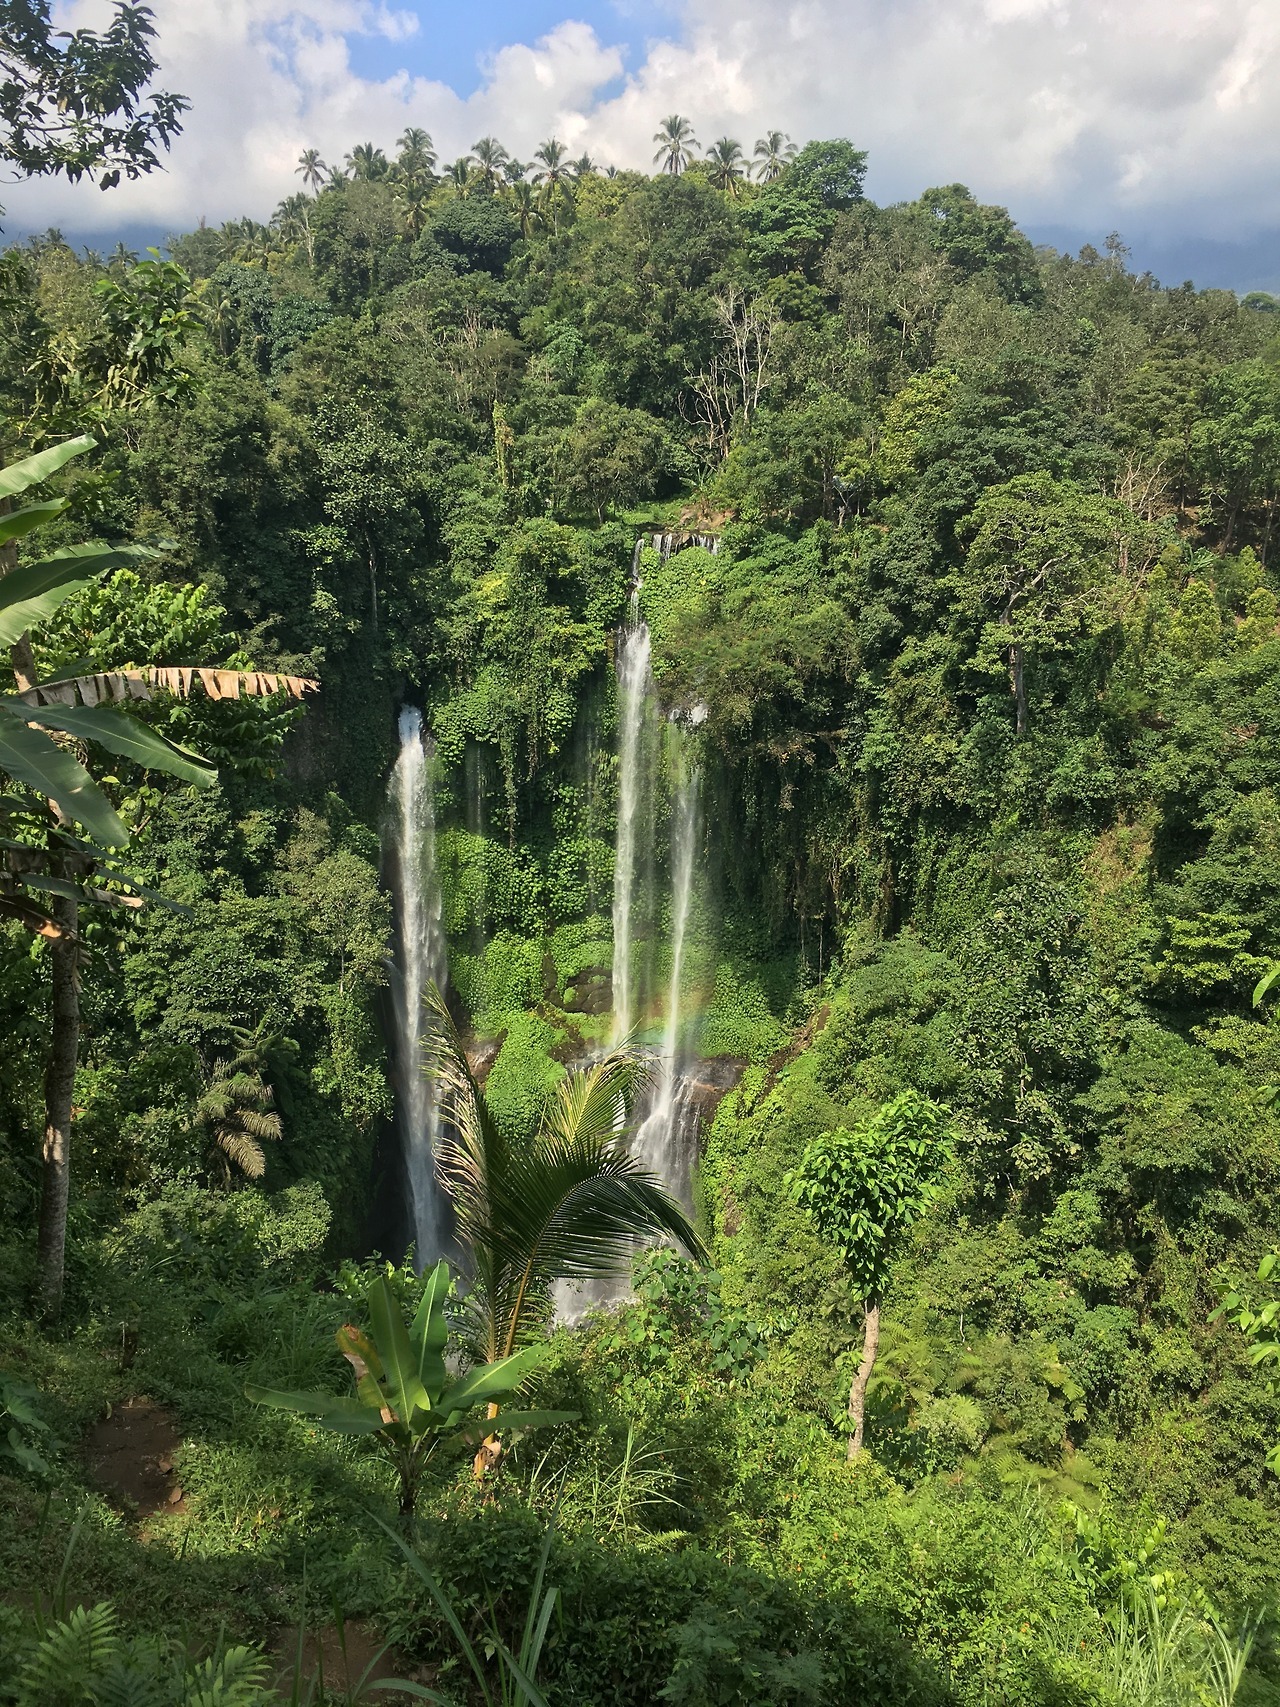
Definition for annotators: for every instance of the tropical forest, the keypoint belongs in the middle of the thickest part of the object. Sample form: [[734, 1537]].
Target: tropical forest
[[639, 938]]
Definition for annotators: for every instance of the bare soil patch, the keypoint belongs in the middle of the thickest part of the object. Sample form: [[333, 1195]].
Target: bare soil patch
[[130, 1456]]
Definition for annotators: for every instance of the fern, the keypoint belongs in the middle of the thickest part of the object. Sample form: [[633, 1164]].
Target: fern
[[69, 1657], [236, 1678]]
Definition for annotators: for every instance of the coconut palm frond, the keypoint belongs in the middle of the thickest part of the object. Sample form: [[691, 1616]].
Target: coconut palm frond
[[244, 1151]]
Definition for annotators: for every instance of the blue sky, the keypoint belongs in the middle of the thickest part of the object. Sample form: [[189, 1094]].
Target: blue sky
[[1153, 117]]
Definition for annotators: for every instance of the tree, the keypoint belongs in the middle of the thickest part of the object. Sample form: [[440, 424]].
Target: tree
[[406, 1399], [87, 708], [458, 173], [611, 455], [568, 1205], [864, 1190], [490, 158], [676, 143], [311, 169], [773, 152], [1040, 572], [554, 175], [367, 162], [524, 203], [728, 166], [416, 160], [71, 103], [236, 1110]]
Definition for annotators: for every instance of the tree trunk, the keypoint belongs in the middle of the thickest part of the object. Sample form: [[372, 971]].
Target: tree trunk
[[858, 1391], [1017, 681], [59, 1088]]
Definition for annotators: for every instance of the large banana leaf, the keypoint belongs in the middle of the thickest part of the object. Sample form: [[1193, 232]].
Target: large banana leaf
[[119, 734], [331, 1410], [400, 1371], [28, 755], [39, 467], [490, 1381], [430, 1330], [20, 522], [31, 593]]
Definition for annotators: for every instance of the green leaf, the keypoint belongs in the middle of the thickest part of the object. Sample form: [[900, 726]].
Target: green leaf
[[1264, 984], [392, 1340], [31, 593], [491, 1380], [20, 522], [29, 756], [120, 733], [483, 1426], [331, 1410], [39, 467], [431, 1329]]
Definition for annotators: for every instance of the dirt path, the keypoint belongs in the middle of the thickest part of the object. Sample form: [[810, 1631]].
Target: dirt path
[[130, 1456]]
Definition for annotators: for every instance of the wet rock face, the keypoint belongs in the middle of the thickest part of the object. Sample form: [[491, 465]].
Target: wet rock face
[[709, 1081]]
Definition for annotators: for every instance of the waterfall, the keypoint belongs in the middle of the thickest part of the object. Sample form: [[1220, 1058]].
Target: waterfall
[[633, 692], [662, 1141], [421, 960]]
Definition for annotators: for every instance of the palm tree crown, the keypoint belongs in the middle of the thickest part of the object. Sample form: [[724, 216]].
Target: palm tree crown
[[366, 161], [490, 158], [554, 167], [311, 169], [774, 150], [236, 1111], [727, 165], [676, 143], [568, 1205]]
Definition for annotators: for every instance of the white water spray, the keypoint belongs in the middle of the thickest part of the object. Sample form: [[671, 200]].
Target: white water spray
[[421, 960], [633, 694], [662, 1142]]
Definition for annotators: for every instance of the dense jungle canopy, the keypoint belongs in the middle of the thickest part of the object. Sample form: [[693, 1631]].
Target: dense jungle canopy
[[984, 681]]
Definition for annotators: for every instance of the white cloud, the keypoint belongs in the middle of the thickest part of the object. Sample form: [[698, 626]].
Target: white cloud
[[1156, 113]]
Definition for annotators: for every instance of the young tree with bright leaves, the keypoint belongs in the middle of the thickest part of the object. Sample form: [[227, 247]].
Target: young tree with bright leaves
[[865, 1189], [72, 103]]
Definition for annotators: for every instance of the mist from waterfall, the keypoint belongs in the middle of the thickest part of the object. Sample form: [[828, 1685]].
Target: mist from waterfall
[[421, 960], [662, 1141]]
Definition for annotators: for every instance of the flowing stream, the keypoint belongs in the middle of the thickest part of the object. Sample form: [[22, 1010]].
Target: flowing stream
[[421, 959]]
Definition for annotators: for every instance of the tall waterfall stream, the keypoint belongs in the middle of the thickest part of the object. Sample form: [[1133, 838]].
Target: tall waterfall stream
[[421, 959]]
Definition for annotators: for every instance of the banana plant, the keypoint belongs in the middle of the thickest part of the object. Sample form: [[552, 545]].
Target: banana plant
[[405, 1397]]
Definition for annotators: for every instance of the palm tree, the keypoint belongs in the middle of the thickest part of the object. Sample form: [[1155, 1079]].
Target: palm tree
[[555, 175], [569, 1205], [311, 169], [583, 166], [417, 155], [727, 164], [336, 179], [366, 161], [411, 205], [515, 170], [676, 143], [293, 221], [774, 151], [458, 172], [236, 1111], [490, 158], [524, 204]]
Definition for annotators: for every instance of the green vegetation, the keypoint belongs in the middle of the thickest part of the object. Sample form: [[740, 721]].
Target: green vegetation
[[982, 682]]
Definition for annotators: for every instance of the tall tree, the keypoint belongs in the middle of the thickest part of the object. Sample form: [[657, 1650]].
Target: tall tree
[[72, 103], [367, 162], [416, 159], [311, 169], [490, 158], [728, 166], [773, 152], [676, 143], [864, 1190]]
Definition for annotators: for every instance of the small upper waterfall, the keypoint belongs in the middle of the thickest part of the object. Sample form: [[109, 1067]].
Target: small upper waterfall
[[421, 960], [634, 684], [662, 1141]]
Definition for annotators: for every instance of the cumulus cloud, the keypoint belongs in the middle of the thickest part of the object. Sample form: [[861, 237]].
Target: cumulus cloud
[[1156, 113]]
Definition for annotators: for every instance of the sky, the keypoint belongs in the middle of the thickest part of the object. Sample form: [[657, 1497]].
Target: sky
[[1156, 118]]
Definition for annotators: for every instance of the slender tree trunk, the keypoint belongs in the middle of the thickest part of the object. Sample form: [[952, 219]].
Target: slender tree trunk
[[858, 1391], [59, 1088], [1017, 681]]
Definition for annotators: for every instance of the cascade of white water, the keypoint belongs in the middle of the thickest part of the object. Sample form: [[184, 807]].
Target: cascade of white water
[[421, 960], [633, 695], [660, 1142]]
